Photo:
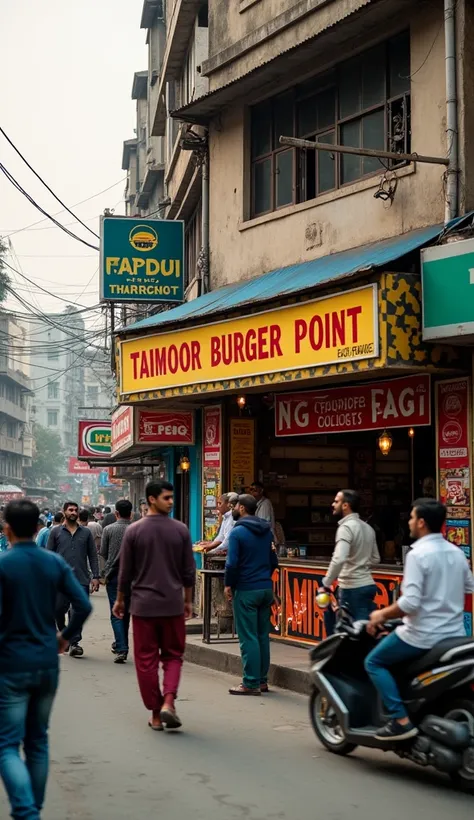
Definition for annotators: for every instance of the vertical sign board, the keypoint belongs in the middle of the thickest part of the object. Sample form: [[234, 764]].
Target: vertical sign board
[[141, 260], [212, 469], [242, 453], [454, 467]]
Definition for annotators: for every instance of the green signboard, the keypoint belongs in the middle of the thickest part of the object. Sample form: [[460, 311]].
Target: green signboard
[[142, 260], [448, 290]]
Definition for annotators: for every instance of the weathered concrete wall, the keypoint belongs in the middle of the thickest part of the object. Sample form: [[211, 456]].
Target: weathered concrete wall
[[339, 220]]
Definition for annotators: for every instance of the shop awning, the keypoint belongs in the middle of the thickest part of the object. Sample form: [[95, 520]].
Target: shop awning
[[298, 278]]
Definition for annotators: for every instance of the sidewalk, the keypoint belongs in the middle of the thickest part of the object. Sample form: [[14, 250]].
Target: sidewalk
[[289, 667]]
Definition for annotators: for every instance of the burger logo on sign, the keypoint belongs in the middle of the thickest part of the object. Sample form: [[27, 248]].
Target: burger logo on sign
[[451, 432], [452, 405], [143, 238]]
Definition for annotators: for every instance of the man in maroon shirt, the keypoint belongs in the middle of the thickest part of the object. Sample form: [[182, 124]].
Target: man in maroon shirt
[[157, 565]]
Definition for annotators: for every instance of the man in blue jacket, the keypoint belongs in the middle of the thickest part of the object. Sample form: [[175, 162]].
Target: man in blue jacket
[[250, 563], [30, 580]]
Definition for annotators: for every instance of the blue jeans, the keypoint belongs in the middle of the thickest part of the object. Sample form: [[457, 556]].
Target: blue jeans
[[26, 699], [119, 626], [359, 601], [388, 652]]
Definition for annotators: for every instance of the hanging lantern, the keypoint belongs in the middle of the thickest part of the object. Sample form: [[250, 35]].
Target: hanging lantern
[[385, 443], [184, 463], [241, 402], [411, 432]]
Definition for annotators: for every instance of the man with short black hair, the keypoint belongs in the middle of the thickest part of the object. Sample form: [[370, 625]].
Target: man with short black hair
[[76, 545], [109, 517], [30, 580], [355, 553], [220, 544], [436, 580], [157, 567], [264, 505], [112, 538], [251, 561]]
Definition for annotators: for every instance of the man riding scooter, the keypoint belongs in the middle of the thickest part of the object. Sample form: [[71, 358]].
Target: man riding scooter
[[436, 579]]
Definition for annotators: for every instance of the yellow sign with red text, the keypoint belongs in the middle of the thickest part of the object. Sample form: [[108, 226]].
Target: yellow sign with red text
[[333, 329]]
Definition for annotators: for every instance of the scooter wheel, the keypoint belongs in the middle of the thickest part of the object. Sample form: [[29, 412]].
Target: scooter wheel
[[464, 779], [326, 726]]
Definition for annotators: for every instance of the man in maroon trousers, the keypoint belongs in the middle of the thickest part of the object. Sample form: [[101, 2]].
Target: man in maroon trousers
[[157, 566]]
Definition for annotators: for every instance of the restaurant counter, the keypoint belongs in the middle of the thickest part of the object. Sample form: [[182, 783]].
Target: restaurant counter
[[296, 583]]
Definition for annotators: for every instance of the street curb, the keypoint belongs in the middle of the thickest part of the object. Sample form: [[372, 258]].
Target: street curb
[[285, 677]]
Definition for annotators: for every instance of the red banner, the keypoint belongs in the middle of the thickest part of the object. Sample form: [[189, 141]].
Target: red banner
[[453, 423], [75, 466], [165, 427], [122, 429], [403, 402], [212, 437]]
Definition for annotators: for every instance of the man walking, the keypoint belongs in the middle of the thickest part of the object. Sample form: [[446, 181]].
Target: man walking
[[30, 580], [157, 564], [109, 517], [76, 545], [436, 580], [250, 563], [112, 538], [356, 551]]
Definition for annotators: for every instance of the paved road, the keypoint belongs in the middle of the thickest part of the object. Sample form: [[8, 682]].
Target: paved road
[[253, 759]]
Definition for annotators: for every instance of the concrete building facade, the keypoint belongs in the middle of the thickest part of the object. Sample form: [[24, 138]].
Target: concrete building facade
[[57, 373], [351, 72], [15, 433]]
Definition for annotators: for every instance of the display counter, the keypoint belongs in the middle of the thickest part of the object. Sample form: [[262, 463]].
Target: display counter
[[296, 583]]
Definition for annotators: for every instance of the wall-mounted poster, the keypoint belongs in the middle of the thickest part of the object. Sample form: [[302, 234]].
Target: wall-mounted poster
[[212, 469]]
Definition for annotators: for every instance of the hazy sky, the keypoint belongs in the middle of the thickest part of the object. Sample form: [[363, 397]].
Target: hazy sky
[[66, 71]]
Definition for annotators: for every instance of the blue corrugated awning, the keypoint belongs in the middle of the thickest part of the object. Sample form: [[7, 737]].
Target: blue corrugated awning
[[295, 278]]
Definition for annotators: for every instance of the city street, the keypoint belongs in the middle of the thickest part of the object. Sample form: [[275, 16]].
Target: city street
[[235, 758]]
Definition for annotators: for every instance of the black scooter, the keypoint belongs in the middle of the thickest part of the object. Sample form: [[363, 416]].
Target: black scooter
[[438, 691]]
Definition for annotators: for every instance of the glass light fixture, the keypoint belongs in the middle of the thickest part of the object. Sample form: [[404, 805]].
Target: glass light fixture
[[184, 463], [411, 432], [385, 442], [241, 402]]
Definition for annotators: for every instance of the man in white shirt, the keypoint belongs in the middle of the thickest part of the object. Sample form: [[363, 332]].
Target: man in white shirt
[[355, 553], [436, 579], [221, 541]]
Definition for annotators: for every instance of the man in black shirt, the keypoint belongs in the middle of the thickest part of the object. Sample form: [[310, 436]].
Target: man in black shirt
[[76, 545]]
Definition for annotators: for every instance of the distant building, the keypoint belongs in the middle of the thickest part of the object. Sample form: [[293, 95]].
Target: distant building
[[99, 385], [57, 373], [15, 435]]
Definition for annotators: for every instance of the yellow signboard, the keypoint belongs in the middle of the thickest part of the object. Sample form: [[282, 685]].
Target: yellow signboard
[[242, 453], [338, 328]]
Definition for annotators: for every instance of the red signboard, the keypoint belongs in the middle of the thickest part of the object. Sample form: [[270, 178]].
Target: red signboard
[[453, 423], [122, 429], [212, 436], [403, 402], [75, 466], [165, 427], [94, 438]]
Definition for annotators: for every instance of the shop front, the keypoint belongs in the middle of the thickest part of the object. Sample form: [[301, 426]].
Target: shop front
[[319, 389], [149, 443]]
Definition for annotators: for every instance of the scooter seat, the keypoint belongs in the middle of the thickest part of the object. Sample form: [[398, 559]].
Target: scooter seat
[[434, 655]]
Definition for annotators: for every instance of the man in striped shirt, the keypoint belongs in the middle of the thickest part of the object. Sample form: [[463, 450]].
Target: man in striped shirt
[[112, 538]]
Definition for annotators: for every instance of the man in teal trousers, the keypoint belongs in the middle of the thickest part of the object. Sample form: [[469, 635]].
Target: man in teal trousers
[[251, 561]]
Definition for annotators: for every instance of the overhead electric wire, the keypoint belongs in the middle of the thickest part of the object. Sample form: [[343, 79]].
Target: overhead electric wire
[[48, 188], [30, 199], [61, 299], [76, 204]]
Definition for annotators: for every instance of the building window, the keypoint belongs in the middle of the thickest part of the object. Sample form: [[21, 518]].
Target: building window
[[93, 393], [52, 418], [364, 103], [53, 390], [53, 355], [192, 245]]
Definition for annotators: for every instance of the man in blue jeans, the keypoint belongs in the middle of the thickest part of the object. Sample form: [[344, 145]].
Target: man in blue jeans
[[355, 553], [112, 538], [436, 579], [30, 579]]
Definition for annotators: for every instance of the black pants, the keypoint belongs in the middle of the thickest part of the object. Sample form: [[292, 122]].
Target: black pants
[[63, 607]]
